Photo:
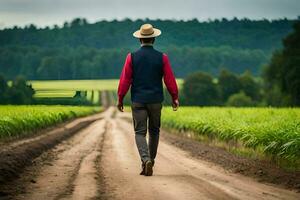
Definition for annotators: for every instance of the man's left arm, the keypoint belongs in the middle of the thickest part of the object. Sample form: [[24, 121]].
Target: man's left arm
[[125, 81], [170, 81]]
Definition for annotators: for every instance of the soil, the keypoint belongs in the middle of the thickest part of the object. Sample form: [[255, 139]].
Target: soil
[[15, 155], [261, 170], [101, 161]]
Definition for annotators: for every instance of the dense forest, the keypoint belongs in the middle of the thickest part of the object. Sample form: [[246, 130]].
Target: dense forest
[[279, 86], [80, 50]]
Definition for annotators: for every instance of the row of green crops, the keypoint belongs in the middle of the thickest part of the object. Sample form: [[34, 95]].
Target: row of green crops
[[20, 120], [276, 131]]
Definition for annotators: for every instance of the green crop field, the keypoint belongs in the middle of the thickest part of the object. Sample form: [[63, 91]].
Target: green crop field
[[274, 131], [71, 85], [67, 88], [54, 93], [20, 120]]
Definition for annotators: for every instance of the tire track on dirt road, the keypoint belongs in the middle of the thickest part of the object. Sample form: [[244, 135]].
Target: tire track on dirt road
[[73, 172], [16, 154]]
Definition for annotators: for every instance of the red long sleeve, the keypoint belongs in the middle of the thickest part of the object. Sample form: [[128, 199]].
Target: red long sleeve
[[169, 78], [125, 78]]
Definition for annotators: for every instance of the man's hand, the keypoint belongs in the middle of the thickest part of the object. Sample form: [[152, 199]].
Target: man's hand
[[120, 106], [175, 104]]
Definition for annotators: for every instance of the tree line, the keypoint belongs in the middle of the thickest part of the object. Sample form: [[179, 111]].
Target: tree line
[[278, 86], [91, 63], [81, 50], [237, 33], [229, 89]]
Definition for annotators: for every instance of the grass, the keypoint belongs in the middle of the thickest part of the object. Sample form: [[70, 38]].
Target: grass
[[72, 85], [54, 93], [273, 131], [22, 120]]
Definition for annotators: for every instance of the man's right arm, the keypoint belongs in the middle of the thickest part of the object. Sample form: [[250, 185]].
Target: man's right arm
[[125, 81]]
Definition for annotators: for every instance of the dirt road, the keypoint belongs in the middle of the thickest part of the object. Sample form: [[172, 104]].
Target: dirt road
[[101, 162]]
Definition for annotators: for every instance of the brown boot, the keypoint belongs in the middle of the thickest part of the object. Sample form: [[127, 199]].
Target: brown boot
[[143, 169], [152, 162], [148, 168]]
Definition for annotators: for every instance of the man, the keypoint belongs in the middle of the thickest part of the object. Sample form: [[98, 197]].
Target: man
[[143, 71]]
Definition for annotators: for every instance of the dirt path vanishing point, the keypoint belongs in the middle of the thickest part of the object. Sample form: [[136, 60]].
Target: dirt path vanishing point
[[101, 162]]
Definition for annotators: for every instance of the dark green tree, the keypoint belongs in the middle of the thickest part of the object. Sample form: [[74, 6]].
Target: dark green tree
[[250, 86], [239, 100], [229, 84], [199, 89], [20, 92], [3, 90], [283, 72]]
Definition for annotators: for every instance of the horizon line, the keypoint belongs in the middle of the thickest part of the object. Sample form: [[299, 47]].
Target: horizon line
[[61, 25]]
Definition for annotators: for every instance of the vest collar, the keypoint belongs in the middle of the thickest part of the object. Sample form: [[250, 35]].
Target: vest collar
[[147, 45]]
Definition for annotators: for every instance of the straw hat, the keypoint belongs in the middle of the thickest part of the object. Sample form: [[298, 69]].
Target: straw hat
[[147, 31]]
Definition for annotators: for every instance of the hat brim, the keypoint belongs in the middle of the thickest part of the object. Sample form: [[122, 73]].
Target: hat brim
[[138, 34]]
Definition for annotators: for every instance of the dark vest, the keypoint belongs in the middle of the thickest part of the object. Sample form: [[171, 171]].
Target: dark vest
[[147, 75]]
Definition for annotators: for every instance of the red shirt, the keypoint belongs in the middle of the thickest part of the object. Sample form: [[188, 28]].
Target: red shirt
[[126, 78]]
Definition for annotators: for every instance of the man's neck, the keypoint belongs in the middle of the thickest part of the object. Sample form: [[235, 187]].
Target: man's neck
[[146, 44]]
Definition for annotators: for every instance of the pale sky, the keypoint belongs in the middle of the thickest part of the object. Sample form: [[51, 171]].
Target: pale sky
[[49, 12]]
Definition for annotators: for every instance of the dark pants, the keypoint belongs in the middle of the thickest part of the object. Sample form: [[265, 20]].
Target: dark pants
[[143, 113]]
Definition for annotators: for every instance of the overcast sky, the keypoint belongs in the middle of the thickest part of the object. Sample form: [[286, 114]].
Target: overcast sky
[[49, 12]]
